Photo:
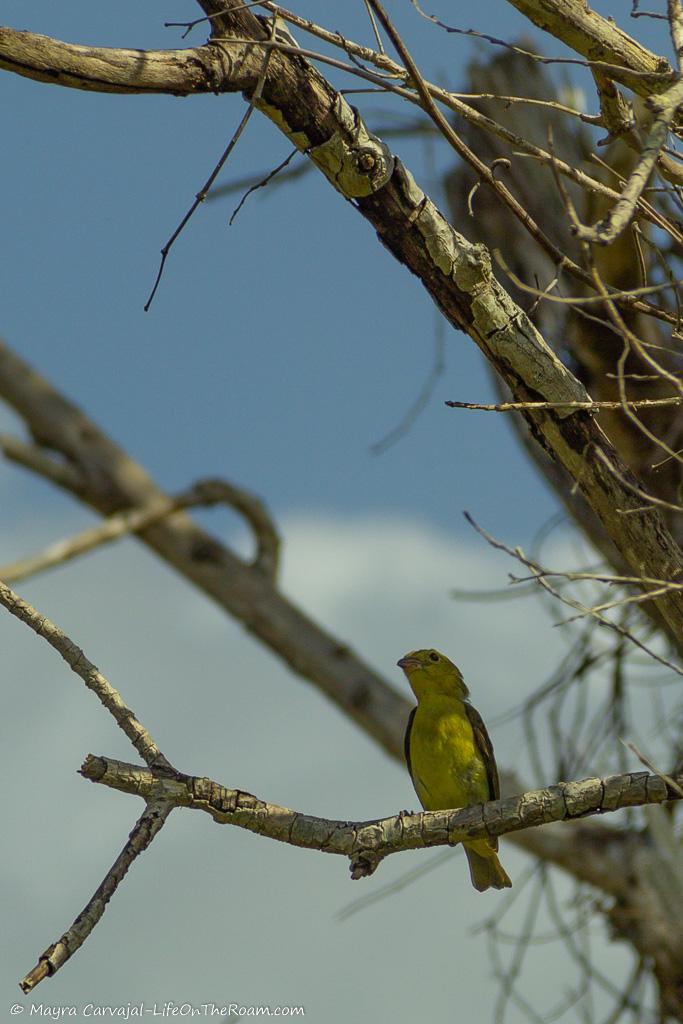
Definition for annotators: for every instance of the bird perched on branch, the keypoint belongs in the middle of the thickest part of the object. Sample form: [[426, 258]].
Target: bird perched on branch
[[450, 756]]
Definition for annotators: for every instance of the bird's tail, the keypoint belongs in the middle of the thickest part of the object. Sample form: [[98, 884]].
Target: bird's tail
[[486, 871]]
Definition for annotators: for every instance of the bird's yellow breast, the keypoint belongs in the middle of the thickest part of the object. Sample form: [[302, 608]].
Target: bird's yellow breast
[[447, 768]]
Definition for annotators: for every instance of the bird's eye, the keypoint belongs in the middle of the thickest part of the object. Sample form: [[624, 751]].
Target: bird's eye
[[433, 656]]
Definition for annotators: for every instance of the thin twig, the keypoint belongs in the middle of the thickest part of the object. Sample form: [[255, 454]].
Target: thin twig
[[648, 764], [540, 575], [630, 340], [537, 57], [261, 184], [635, 488], [189, 25], [426, 391], [201, 195], [626, 297], [375, 29], [55, 956], [579, 406], [89, 673]]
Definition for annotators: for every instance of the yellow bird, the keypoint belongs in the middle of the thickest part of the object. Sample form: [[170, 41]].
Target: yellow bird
[[449, 754]]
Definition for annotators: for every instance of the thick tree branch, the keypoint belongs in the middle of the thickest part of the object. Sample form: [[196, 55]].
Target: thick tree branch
[[105, 69], [599, 40]]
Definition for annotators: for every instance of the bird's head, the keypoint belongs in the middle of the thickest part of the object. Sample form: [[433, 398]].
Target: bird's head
[[430, 673]]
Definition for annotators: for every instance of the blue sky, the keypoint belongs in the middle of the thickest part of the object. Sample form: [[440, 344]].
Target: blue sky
[[276, 352], [279, 349]]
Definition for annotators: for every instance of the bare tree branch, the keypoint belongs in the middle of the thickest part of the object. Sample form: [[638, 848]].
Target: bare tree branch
[[588, 406], [367, 843], [105, 69], [598, 39]]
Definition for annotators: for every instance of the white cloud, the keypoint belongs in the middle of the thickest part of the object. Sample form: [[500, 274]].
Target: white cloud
[[387, 583]]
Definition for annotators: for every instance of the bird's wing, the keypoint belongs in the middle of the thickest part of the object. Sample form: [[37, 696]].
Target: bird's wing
[[485, 748], [406, 741]]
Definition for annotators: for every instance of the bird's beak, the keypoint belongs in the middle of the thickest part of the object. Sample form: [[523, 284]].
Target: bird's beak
[[408, 663]]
